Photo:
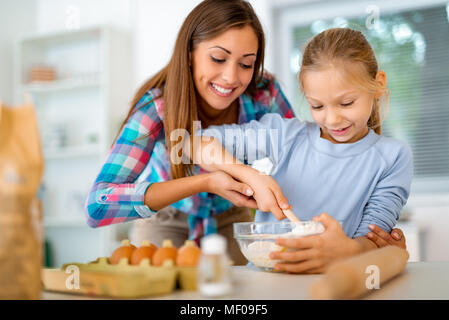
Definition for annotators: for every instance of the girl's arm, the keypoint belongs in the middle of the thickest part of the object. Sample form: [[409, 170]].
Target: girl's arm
[[364, 244], [390, 193], [386, 202], [271, 137], [209, 154]]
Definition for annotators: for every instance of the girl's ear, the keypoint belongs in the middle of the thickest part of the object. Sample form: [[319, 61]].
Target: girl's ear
[[190, 58], [381, 78]]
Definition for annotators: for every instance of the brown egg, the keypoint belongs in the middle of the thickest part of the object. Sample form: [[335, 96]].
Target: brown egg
[[188, 254], [125, 251], [166, 252], [146, 250]]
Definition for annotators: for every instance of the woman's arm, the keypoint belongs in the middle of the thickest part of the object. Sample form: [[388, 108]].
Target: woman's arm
[[162, 194], [116, 196], [382, 238]]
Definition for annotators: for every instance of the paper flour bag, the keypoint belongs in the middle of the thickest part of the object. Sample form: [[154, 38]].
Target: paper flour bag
[[21, 167]]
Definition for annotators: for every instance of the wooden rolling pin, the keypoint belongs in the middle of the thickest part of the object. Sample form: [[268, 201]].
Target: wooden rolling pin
[[347, 279]]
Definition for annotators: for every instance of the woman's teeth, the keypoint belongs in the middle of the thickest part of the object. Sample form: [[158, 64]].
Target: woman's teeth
[[221, 90]]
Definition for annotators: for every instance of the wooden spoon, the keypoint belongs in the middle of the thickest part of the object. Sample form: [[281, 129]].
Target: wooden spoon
[[290, 215]]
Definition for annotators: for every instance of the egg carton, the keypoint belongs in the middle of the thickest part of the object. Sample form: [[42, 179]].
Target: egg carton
[[122, 280], [187, 278]]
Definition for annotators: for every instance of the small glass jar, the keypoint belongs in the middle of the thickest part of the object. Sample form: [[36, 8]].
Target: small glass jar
[[214, 268]]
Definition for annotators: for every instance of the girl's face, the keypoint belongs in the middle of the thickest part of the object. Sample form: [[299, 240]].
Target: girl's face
[[223, 67], [340, 108]]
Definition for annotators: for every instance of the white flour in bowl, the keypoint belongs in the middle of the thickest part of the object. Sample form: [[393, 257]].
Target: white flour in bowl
[[303, 230], [258, 252]]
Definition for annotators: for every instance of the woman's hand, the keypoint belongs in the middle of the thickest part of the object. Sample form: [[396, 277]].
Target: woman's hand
[[382, 238], [225, 186], [315, 253]]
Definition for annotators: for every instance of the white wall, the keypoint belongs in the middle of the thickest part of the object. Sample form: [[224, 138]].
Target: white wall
[[156, 27], [265, 10], [15, 20], [430, 213], [153, 24], [153, 49], [59, 14]]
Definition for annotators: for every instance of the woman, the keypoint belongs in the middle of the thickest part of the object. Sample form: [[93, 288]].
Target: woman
[[215, 76]]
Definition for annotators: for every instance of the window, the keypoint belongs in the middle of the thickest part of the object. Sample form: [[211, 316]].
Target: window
[[412, 47]]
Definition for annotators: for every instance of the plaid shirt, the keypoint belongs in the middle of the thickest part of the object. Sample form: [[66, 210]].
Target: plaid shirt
[[132, 166]]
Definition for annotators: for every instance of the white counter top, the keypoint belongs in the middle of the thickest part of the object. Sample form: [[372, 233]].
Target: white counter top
[[420, 280]]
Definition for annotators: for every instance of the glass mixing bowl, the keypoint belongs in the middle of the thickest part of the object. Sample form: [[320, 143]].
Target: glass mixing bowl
[[257, 239]]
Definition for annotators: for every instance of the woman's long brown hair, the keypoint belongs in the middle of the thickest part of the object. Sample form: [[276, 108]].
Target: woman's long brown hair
[[207, 20]]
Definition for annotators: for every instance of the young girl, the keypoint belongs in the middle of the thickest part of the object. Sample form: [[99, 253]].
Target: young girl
[[340, 166]]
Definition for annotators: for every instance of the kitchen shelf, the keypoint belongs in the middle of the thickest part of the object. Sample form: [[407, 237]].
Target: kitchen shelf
[[62, 85], [79, 114]]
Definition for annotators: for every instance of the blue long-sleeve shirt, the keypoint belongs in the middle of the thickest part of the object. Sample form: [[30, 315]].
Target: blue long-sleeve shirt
[[361, 183]]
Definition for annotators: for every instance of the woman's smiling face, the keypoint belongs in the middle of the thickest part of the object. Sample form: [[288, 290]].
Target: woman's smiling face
[[339, 107], [224, 66]]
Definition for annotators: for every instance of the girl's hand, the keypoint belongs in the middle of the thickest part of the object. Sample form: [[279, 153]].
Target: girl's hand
[[316, 252], [382, 238], [213, 157], [225, 186], [267, 193]]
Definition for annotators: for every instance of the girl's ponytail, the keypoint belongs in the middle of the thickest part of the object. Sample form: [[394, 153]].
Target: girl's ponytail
[[374, 121]]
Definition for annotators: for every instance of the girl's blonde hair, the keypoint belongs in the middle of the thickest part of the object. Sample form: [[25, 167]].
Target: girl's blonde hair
[[336, 45]]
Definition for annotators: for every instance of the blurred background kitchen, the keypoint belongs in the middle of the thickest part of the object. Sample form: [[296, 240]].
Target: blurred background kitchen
[[82, 60]]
